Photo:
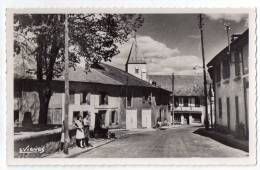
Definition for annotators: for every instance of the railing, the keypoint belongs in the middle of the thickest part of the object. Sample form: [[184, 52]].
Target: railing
[[188, 108]]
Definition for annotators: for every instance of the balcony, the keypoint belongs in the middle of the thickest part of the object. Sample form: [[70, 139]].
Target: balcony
[[188, 108]]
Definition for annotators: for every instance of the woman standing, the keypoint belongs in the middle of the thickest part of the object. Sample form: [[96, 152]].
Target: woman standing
[[86, 123], [79, 132]]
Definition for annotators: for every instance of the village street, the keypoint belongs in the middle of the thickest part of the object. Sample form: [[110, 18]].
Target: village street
[[115, 77], [177, 142]]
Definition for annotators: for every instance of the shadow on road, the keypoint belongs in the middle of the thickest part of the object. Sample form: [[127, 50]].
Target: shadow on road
[[224, 139]]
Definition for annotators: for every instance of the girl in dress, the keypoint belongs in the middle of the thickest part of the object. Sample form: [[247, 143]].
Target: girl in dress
[[79, 132]]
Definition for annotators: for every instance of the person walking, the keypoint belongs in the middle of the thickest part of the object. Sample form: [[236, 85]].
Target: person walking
[[79, 132], [86, 123]]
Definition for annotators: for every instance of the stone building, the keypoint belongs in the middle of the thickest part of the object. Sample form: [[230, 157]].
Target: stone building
[[112, 97], [188, 97], [229, 72]]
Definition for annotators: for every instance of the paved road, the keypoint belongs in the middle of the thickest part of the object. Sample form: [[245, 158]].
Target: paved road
[[179, 142]]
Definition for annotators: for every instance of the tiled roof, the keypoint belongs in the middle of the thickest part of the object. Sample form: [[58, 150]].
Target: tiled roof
[[184, 85], [93, 76], [123, 77], [106, 74], [103, 74]]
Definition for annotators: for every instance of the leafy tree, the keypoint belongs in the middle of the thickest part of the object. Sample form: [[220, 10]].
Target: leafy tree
[[39, 42]]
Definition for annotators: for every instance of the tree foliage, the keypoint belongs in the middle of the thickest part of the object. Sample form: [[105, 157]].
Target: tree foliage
[[39, 42], [93, 37]]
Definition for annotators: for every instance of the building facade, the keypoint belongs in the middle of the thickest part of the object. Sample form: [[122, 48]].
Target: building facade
[[112, 98], [229, 72], [188, 106], [188, 110]]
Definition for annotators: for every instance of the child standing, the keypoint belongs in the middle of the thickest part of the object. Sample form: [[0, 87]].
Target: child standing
[[79, 132]]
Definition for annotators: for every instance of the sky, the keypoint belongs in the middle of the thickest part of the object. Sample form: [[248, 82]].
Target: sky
[[171, 42]]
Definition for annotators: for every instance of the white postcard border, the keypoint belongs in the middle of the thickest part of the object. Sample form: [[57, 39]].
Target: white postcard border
[[251, 160]]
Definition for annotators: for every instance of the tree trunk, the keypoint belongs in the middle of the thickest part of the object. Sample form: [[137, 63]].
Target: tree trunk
[[44, 98]]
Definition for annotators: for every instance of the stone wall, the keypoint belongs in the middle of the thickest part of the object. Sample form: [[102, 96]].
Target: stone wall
[[49, 143]]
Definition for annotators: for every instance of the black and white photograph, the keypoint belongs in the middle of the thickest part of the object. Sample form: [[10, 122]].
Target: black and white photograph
[[131, 84]]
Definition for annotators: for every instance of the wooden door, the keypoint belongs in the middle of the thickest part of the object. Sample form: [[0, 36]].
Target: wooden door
[[131, 119], [146, 118]]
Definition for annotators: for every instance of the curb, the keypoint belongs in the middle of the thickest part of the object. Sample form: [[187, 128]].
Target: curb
[[120, 136], [62, 155], [87, 150]]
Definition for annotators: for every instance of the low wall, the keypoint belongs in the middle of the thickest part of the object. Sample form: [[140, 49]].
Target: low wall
[[38, 146]]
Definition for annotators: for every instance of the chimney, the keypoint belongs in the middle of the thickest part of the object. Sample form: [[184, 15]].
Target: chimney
[[234, 37], [154, 83]]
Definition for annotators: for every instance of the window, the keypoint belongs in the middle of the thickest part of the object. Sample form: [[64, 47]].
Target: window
[[180, 101], [16, 115], [170, 108], [76, 114], [177, 118], [72, 97], [237, 109], [220, 108], [103, 98], [197, 102], [226, 67], [192, 101], [228, 112], [202, 101], [218, 72], [245, 60], [129, 99], [100, 118], [147, 98], [136, 70], [150, 99], [114, 117], [237, 63], [85, 98], [186, 101], [85, 113], [196, 118]]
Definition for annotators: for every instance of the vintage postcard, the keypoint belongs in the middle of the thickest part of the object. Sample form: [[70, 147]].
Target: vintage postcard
[[131, 86]]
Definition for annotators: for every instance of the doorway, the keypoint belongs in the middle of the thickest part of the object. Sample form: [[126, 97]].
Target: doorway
[[131, 119], [146, 118], [186, 120], [100, 119]]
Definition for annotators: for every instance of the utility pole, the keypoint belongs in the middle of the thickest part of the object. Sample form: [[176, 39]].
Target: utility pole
[[210, 102], [66, 88], [206, 121], [227, 28], [172, 98]]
